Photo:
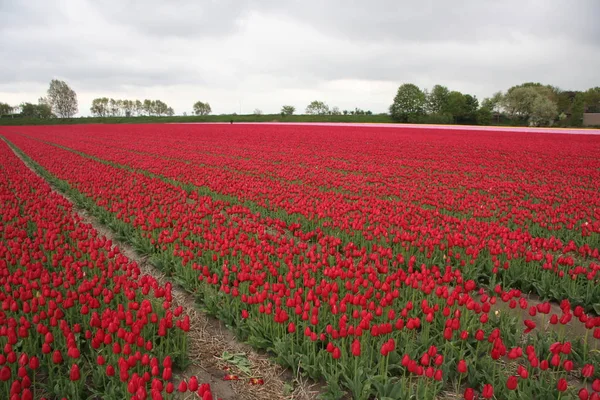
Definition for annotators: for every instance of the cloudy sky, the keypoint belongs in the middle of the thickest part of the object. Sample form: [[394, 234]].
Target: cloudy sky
[[244, 55]]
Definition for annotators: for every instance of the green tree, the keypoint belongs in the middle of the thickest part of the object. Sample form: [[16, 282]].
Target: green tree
[[62, 99], [160, 108], [288, 110], [544, 111], [494, 105], [457, 105], [201, 108], [409, 102], [317, 108], [577, 110], [138, 108], [42, 110], [519, 100], [591, 99], [99, 107], [484, 116], [148, 106], [128, 107], [5, 109], [437, 100], [471, 108]]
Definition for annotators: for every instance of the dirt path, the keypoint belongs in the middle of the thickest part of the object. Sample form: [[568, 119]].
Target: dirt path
[[209, 339]]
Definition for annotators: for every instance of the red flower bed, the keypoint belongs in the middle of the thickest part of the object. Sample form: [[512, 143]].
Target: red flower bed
[[77, 318], [375, 259]]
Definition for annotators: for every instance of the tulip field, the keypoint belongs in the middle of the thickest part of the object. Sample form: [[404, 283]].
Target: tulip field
[[387, 263]]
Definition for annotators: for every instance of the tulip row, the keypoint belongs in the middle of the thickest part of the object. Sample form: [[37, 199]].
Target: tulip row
[[77, 318], [488, 251], [493, 177], [351, 314]]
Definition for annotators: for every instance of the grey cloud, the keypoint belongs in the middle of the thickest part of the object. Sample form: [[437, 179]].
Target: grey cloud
[[235, 49]]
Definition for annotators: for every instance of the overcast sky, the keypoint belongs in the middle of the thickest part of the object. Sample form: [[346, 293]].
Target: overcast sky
[[243, 55]]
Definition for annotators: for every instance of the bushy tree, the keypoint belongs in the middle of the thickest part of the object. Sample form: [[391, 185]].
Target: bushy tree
[[408, 102], [591, 99], [100, 107], [317, 108], [437, 100], [41, 110], [470, 112], [543, 111], [288, 110], [456, 105], [5, 109], [577, 110], [62, 99], [201, 108], [519, 100]]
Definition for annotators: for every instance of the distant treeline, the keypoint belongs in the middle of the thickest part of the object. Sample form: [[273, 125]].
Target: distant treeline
[[17, 120]]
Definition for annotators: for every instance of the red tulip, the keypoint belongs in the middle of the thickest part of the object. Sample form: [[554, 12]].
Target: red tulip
[[74, 374], [512, 382], [488, 391], [561, 385], [587, 371], [469, 394], [462, 367], [5, 373]]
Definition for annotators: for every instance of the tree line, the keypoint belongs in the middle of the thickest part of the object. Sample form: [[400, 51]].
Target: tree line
[[105, 107], [526, 104], [60, 101]]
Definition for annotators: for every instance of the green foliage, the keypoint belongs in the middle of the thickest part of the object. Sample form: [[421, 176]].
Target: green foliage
[[5, 109], [484, 116], [457, 105], [543, 112], [201, 108], [591, 99], [437, 100], [317, 108], [526, 102], [437, 119], [408, 103], [288, 110], [105, 107], [144, 119], [577, 110], [62, 99], [40, 111]]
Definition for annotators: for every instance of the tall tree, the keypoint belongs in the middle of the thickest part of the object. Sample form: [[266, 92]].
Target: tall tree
[[437, 99], [317, 108], [591, 99], [62, 99], [99, 107], [543, 111], [471, 107], [148, 106], [457, 106], [408, 102], [288, 110], [577, 110], [138, 107], [160, 108], [201, 108], [5, 109]]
